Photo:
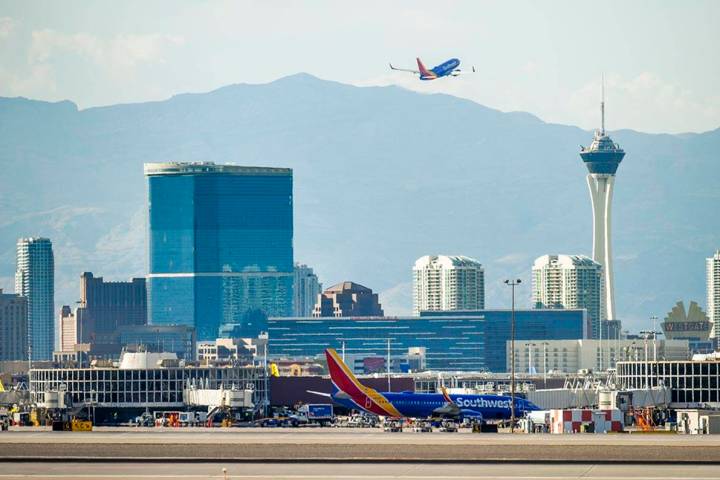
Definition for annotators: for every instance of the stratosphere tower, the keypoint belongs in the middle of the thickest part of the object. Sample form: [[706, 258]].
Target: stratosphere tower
[[602, 159]]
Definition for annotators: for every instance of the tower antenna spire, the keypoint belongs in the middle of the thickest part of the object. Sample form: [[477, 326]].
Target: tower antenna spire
[[602, 107]]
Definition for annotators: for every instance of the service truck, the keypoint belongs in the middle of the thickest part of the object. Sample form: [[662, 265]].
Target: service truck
[[321, 413]]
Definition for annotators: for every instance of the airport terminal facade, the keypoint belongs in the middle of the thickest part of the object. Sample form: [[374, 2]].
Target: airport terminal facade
[[453, 341], [693, 384], [126, 392]]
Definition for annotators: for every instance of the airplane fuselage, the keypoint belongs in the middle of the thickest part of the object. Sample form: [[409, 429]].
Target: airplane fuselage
[[350, 393], [426, 405], [442, 70]]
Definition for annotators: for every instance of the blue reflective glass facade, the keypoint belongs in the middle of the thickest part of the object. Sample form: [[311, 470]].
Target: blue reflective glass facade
[[220, 244], [35, 280], [454, 341]]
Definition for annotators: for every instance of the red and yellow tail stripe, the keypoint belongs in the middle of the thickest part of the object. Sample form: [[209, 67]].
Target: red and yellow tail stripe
[[365, 397], [446, 396], [424, 72]]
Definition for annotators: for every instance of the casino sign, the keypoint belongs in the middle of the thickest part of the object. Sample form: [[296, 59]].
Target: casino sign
[[691, 325]]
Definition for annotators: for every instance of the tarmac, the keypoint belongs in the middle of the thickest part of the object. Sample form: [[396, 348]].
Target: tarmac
[[352, 471], [280, 445]]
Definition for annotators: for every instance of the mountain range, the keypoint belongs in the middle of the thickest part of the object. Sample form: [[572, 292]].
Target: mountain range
[[382, 176]]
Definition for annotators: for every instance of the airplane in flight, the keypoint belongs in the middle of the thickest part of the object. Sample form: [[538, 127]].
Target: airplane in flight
[[446, 69], [350, 393]]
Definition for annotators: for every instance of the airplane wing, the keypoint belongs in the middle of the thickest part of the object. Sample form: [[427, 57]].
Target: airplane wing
[[457, 72], [452, 409], [404, 69], [448, 410], [322, 394]]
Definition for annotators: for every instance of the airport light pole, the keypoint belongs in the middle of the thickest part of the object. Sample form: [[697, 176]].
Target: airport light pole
[[512, 284], [265, 337], [646, 335], [388, 364], [654, 332], [545, 345]]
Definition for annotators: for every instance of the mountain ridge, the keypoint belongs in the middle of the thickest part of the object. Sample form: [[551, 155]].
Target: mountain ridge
[[305, 76], [381, 174]]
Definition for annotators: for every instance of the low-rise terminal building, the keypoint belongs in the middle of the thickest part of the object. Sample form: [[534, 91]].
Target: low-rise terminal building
[[693, 383], [140, 381]]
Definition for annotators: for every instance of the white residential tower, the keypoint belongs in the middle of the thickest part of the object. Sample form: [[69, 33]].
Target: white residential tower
[[569, 281], [448, 282], [713, 292]]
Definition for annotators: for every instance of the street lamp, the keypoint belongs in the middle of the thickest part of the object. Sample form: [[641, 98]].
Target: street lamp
[[512, 284], [646, 336], [545, 345], [654, 334]]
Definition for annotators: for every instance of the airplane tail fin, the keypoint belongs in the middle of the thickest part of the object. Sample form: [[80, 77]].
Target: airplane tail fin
[[365, 397], [423, 71], [341, 376]]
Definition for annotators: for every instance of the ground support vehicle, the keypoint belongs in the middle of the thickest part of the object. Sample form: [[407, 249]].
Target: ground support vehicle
[[448, 426], [317, 413]]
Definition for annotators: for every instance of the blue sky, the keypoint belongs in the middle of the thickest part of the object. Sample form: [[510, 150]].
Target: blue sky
[[659, 58]]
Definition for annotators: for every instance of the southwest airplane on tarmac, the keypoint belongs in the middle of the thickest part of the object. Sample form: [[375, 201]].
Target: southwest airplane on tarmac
[[350, 393], [447, 69]]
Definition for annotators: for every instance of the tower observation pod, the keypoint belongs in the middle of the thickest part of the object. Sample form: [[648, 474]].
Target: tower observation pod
[[602, 159]]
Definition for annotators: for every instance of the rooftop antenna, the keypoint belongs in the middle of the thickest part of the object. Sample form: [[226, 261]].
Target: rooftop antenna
[[602, 107]]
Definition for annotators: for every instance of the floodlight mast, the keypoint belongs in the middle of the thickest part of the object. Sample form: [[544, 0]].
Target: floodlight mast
[[512, 284]]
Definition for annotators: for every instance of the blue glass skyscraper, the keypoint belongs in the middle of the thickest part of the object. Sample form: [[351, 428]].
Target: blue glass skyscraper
[[220, 244], [35, 279]]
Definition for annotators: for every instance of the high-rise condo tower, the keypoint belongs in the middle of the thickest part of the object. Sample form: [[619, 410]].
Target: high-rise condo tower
[[713, 292], [35, 280], [448, 282], [602, 159]]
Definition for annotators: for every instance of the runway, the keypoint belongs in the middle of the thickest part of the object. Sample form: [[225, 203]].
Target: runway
[[348, 445], [353, 471]]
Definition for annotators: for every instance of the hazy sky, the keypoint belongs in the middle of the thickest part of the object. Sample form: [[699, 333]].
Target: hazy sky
[[660, 59]]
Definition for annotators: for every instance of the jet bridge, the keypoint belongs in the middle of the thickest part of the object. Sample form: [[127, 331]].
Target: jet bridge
[[205, 397]]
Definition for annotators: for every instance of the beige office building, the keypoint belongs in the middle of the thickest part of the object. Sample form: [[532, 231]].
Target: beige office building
[[570, 356]]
